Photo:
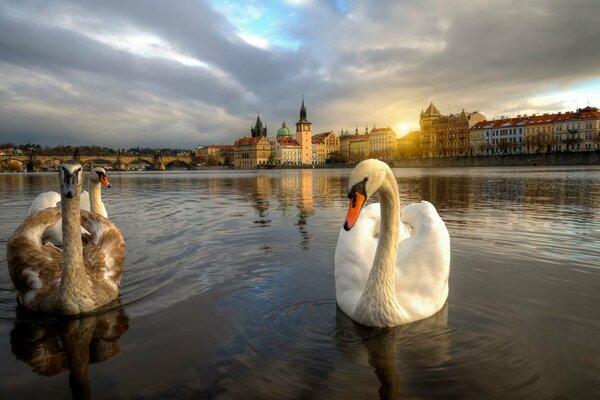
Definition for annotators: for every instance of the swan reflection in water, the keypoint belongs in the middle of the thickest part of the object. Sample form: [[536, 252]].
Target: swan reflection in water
[[396, 351], [52, 346]]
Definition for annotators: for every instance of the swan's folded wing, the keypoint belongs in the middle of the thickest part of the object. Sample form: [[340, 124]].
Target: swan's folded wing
[[104, 254], [32, 264]]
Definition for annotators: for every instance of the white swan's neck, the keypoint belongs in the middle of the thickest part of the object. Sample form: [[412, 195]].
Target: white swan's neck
[[74, 284], [95, 190], [378, 305]]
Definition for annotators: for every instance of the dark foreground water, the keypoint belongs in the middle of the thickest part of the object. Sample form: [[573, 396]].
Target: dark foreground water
[[229, 293]]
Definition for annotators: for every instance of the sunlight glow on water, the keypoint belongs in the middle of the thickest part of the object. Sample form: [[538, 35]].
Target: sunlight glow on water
[[228, 292]]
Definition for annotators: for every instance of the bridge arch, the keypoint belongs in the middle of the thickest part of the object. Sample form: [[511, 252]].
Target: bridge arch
[[177, 163], [50, 164], [88, 164], [141, 160]]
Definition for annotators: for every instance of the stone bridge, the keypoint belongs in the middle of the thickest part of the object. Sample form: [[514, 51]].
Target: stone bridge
[[119, 162]]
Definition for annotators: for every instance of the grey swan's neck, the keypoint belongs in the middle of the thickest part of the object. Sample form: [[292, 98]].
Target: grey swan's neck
[[74, 290]]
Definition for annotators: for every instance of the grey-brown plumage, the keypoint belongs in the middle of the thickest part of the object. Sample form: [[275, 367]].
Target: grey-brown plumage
[[77, 279]]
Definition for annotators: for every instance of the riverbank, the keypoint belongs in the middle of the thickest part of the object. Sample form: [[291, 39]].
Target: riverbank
[[514, 160]]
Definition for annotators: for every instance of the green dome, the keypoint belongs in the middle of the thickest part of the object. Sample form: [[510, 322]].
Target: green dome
[[284, 131]]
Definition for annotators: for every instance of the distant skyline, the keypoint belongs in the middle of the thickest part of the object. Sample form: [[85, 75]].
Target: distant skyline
[[178, 74]]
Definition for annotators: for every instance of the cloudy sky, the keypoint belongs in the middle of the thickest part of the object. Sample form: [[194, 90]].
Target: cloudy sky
[[180, 73]]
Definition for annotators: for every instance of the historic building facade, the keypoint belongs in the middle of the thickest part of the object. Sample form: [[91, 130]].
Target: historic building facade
[[249, 153], [345, 137], [476, 143], [505, 136], [286, 151], [323, 146], [303, 136], [446, 135], [577, 131], [428, 137], [539, 133], [383, 143], [359, 147]]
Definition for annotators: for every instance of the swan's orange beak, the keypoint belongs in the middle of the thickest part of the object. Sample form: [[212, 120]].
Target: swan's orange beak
[[104, 181], [356, 204]]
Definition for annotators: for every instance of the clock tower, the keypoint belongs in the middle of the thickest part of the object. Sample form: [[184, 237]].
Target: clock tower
[[304, 135]]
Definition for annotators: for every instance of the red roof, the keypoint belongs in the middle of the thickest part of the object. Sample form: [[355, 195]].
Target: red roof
[[565, 116], [588, 112], [541, 119], [250, 140], [287, 141], [480, 125]]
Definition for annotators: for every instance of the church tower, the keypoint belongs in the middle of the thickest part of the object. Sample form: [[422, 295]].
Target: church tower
[[258, 130], [304, 135]]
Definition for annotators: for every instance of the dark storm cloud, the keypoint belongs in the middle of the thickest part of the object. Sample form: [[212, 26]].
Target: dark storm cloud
[[67, 76]]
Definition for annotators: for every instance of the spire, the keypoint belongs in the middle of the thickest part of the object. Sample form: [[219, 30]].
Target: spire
[[258, 130], [258, 122], [303, 119], [432, 110]]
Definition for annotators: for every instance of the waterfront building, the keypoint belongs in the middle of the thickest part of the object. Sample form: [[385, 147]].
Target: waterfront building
[[577, 131], [476, 143], [428, 137], [323, 145], [286, 150], [505, 136], [409, 145], [539, 133], [249, 153], [303, 136], [590, 128], [359, 147], [345, 138], [383, 142], [451, 134]]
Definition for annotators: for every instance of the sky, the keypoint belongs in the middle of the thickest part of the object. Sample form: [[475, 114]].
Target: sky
[[128, 73]]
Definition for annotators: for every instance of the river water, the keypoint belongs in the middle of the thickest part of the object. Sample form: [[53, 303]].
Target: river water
[[228, 292]]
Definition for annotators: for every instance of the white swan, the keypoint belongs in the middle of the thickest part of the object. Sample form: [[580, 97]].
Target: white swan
[[77, 279], [389, 272], [91, 201]]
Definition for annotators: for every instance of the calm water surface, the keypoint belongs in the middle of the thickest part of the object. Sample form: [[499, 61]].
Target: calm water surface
[[228, 293]]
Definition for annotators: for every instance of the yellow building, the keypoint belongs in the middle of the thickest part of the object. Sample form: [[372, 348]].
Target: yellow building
[[323, 146], [539, 133], [577, 131], [476, 143], [249, 153], [359, 148], [589, 128], [383, 143]]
